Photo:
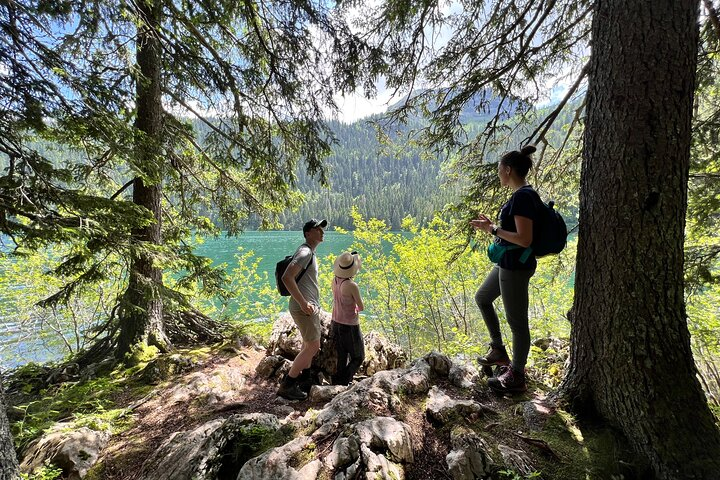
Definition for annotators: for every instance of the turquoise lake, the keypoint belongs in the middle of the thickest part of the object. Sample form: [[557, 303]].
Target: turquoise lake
[[270, 246]]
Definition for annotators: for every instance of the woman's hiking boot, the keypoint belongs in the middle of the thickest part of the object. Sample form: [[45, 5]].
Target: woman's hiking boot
[[496, 357], [290, 390], [509, 381]]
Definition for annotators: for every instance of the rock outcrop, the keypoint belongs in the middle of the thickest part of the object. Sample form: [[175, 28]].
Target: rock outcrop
[[285, 343], [74, 450], [372, 429], [369, 442], [380, 446], [213, 450]]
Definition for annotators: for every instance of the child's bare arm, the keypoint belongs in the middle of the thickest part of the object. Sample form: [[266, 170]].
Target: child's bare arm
[[355, 292]]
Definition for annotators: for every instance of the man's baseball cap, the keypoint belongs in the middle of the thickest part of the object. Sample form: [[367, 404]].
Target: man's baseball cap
[[313, 223]]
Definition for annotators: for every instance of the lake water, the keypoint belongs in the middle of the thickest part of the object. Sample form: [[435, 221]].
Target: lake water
[[269, 246]]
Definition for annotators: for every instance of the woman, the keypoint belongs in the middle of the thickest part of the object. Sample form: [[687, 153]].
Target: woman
[[510, 277]]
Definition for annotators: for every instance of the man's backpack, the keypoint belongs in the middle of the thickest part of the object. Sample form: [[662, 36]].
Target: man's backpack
[[280, 268], [551, 236]]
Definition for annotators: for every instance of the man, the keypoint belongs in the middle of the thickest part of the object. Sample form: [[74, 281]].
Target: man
[[304, 305]]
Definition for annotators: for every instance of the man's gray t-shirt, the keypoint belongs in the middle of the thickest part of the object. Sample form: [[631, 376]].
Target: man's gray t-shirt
[[308, 284]]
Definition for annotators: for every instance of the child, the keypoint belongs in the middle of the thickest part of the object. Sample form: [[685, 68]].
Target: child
[[345, 320]]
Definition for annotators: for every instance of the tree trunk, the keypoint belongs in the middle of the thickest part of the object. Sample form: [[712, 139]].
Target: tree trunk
[[631, 360], [142, 314], [8, 461]]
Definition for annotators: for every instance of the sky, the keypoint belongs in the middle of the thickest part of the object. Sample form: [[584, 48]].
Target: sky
[[355, 106]]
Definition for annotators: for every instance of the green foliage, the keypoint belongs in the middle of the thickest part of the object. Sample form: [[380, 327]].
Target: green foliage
[[381, 178], [251, 293], [25, 282], [702, 246], [551, 293], [513, 475], [419, 295], [85, 403], [46, 472], [422, 292], [703, 313]]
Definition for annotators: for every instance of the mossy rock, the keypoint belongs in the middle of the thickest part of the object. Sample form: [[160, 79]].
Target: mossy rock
[[164, 367], [141, 353]]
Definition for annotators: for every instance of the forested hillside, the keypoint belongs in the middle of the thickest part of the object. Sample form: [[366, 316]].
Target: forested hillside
[[388, 177], [383, 181]]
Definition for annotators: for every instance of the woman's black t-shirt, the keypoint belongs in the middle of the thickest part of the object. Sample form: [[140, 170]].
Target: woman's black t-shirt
[[523, 203]]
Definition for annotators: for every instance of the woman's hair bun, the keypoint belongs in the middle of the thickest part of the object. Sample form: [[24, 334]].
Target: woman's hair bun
[[528, 149]]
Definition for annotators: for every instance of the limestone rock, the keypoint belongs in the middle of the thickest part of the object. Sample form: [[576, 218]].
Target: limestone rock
[[275, 463], [273, 366], [416, 379], [325, 393], [442, 409], [379, 446], [350, 473], [516, 459], [387, 435], [536, 413], [381, 354], [285, 339], [379, 466], [439, 363], [463, 375], [217, 387], [204, 453], [74, 451], [378, 392], [469, 458], [345, 452], [183, 455]]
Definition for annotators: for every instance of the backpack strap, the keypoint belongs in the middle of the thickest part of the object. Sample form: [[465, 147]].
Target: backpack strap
[[525, 255], [312, 257], [536, 197]]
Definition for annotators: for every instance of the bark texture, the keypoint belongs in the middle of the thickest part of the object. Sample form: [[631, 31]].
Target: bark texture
[[8, 460], [142, 313], [631, 360]]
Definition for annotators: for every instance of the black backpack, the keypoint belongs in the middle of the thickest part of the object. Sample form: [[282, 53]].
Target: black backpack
[[551, 234], [280, 268]]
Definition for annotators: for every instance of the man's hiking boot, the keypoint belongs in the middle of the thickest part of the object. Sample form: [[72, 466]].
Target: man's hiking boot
[[496, 357], [509, 381], [290, 390]]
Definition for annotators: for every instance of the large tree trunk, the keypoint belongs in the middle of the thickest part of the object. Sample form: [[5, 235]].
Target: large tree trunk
[[631, 360], [8, 461], [142, 314]]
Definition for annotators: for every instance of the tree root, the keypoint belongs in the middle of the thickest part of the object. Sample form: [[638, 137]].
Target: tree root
[[190, 327]]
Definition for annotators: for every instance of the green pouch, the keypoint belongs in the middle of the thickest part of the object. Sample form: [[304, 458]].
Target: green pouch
[[496, 251]]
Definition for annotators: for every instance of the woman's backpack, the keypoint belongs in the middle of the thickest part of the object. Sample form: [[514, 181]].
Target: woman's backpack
[[551, 236]]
